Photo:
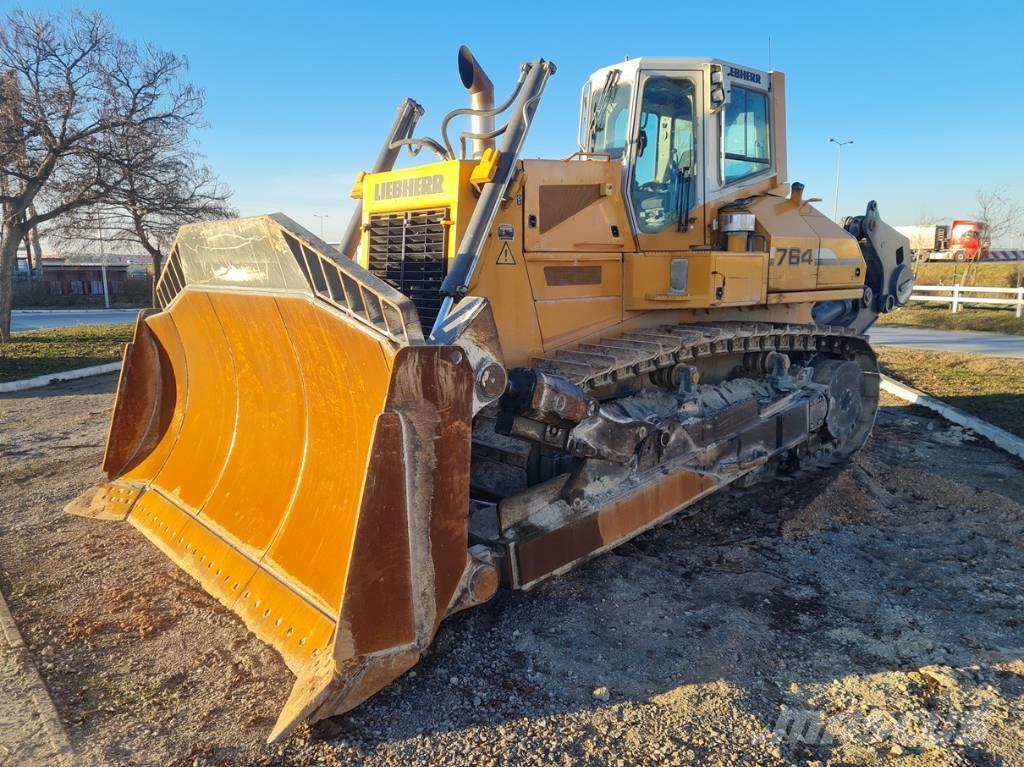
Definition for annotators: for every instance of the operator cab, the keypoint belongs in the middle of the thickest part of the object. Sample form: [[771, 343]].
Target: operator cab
[[688, 131]]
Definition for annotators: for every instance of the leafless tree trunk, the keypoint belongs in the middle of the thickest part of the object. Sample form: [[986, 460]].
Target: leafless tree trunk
[[70, 90], [35, 243], [10, 237], [12, 158]]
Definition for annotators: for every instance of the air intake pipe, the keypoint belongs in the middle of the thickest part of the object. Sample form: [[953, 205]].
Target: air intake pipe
[[481, 99]]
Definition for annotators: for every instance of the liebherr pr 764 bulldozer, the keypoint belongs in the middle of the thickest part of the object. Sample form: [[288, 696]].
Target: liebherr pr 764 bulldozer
[[509, 366]]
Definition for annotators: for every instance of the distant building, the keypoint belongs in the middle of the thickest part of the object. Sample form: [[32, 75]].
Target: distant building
[[82, 273]]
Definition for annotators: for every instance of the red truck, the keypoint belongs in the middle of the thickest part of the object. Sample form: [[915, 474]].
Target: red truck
[[961, 240]]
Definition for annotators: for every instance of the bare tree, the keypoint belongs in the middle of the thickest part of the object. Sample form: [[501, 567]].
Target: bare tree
[[162, 188], [1002, 216], [70, 91]]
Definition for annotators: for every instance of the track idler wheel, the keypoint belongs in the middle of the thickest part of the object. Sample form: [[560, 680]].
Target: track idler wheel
[[845, 381]]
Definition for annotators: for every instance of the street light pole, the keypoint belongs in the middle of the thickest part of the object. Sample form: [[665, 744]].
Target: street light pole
[[839, 154], [321, 217], [103, 263]]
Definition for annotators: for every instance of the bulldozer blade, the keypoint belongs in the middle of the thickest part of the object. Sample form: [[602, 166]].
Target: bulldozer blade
[[283, 433]]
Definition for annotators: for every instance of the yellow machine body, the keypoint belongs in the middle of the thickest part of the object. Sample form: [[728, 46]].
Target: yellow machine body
[[566, 278], [343, 451]]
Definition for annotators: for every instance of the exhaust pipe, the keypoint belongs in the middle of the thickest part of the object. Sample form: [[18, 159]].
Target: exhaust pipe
[[481, 98]]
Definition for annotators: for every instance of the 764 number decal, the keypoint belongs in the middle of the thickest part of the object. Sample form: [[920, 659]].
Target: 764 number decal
[[793, 256]]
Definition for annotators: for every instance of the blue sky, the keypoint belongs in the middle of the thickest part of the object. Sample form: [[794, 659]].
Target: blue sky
[[299, 95]]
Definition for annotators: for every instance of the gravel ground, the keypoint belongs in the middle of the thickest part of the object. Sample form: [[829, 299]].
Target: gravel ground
[[872, 619]]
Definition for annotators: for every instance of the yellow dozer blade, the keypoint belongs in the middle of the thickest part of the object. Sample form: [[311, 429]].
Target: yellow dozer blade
[[283, 433]]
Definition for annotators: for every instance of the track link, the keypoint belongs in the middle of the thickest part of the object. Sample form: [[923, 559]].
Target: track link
[[592, 366]]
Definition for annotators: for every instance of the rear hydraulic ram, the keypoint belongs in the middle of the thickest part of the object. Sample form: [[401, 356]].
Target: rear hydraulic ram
[[456, 283]]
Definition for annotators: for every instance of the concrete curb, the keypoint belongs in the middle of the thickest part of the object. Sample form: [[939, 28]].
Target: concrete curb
[[36, 688], [64, 375], [1001, 438]]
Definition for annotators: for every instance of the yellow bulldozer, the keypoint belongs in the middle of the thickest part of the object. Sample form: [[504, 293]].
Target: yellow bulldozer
[[508, 367]]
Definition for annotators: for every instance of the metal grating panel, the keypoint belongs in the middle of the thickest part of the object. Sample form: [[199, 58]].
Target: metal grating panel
[[408, 250], [171, 281], [339, 282]]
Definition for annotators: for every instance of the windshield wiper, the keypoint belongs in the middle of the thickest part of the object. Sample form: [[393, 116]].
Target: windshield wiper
[[685, 184], [604, 99]]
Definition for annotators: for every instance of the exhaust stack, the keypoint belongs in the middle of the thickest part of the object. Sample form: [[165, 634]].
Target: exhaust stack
[[481, 98]]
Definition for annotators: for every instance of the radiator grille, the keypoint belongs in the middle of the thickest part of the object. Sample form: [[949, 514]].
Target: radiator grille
[[408, 250]]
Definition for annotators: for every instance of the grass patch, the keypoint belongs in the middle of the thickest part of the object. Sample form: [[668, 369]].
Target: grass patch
[[988, 387], [996, 275], [990, 320], [38, 352]]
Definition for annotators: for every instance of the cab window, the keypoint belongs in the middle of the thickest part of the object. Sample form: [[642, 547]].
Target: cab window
[[607, 123], [745, 134], [663, 172]]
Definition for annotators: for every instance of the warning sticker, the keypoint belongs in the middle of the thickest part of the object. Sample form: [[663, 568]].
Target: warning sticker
[[506, 232], [506, 258]]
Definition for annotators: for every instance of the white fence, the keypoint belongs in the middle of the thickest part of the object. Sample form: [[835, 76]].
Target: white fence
[[958, 296]]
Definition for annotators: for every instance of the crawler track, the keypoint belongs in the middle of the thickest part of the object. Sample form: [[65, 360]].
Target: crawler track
[[593, 366]]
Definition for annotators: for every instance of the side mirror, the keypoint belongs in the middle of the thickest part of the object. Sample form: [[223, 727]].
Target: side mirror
[[718, 97]]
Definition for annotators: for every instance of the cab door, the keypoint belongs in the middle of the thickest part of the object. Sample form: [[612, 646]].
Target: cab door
[[664, 176]]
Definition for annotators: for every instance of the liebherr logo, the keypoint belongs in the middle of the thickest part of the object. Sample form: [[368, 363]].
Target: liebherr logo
[[743, 74], [409, 187]]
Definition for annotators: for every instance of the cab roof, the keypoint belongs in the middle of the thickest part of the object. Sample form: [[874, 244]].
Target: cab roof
[[631, 66]]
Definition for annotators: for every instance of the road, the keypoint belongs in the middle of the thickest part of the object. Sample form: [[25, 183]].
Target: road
[[965, 341], [22, 319]]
